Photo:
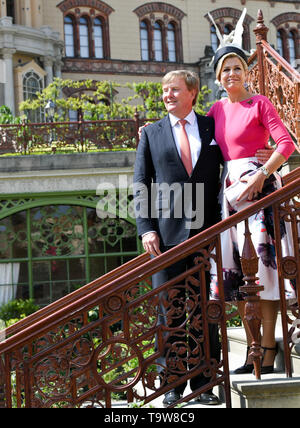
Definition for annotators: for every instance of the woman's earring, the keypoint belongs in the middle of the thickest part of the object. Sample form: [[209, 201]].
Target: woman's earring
[[246, 85]]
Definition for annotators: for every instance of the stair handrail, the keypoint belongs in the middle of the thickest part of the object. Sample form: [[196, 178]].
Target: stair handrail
[[74, 295], [294, 74], [147, 269], [95, 284], [286, 74]]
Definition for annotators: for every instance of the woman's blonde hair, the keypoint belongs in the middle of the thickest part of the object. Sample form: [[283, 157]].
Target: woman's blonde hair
[[191, 79]]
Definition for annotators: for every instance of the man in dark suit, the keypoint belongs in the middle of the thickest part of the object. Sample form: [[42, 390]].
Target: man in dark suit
[[176, 183]]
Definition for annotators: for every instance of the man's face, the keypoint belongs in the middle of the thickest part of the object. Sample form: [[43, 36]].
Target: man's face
[[177, 98]]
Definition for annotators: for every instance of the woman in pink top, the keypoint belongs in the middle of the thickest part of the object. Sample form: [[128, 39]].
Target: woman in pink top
[[244, 122]]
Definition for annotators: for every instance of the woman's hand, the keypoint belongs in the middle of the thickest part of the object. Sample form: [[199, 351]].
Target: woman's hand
[[255, 184]]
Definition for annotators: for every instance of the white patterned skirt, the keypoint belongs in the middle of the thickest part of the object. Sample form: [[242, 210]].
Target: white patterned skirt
[[262, 230]]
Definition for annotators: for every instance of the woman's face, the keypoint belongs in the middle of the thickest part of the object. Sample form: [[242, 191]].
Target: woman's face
[[233, 75]]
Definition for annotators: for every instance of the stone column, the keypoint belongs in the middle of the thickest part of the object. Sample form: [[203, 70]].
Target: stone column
[[26, 10], [3, 10], [57, 68], [48, 66], [9, 93]]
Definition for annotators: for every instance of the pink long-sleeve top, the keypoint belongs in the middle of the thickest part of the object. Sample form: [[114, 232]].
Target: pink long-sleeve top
[[244, 127]]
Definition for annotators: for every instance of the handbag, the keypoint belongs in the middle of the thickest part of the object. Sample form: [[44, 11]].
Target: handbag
[[233, 191]]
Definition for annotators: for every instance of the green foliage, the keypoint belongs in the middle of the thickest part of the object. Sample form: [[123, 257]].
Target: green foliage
[[203, 106], [15, 310], [150, 93], [97, 100], [235, 320], [6, 116]]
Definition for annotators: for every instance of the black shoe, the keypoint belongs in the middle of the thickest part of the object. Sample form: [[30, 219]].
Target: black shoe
[[171, 397], [268, 369], [209, 399], [246, 368]]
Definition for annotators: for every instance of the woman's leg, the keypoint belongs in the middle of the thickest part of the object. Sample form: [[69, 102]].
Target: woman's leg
[[269, 310]]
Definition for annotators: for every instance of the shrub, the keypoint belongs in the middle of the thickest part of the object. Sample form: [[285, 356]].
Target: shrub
[[16, 310]]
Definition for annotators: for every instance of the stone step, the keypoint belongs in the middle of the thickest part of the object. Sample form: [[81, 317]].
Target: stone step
[[272, 391], [237, 344]]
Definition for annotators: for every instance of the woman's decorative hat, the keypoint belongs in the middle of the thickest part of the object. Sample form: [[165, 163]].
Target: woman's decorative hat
[[231, 43]]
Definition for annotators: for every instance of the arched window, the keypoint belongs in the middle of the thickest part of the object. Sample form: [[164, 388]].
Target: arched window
[[69, 36], [32, 84], [98, 38], [144, 35], [171, 42], [84, 37], [214, 38], [226, 20], [227, 29], [292, 47], [158, 46], [280, 43], [288, 29], [160, 32]]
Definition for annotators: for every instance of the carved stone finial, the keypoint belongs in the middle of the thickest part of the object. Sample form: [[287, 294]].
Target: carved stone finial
[[260, 17], [261, 30]]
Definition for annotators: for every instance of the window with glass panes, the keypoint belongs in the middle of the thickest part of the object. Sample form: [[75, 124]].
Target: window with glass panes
[[144, 41], [84, 37], [158, 43], [32, 84], [98, 38], [69, 36], [49, 250], [171, 42]]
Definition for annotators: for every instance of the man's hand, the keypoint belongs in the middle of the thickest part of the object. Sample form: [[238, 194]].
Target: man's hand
[[263, 155], [151, 243]]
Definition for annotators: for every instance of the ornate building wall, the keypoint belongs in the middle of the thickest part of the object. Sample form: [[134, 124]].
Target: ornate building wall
[[132, 40]]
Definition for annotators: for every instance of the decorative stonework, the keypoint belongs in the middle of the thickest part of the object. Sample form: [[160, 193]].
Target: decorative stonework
[[159, 7], [228, 15], [66, 5], [229, 12], [122, 67], [286, 17]]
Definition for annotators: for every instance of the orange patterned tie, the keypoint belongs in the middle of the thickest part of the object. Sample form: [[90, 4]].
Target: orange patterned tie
[[185, 149]]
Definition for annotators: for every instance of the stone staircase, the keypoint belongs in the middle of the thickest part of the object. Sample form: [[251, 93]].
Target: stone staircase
[[272, 391]]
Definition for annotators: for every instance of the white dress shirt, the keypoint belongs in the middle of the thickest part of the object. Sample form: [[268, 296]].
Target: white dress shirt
[[192, 131]]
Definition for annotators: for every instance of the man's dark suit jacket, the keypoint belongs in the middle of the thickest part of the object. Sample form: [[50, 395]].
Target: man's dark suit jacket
[[158, 161]]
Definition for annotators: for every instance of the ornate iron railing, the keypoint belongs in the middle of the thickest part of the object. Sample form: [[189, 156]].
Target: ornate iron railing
[[107, 338], [62, 137], [100, 340], [273, 76]]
